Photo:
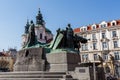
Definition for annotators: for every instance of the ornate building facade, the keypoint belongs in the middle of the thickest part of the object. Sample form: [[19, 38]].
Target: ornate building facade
[[103, 41], [43, 34]]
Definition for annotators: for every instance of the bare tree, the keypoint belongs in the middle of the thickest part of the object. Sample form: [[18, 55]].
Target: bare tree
[[4, 64]]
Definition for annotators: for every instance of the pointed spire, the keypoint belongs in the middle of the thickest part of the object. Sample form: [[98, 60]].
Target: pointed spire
[[39, 11], [27, 26], [27, 22], [39, 18]]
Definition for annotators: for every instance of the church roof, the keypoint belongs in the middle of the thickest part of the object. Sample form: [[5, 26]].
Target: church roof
[[47, 30]]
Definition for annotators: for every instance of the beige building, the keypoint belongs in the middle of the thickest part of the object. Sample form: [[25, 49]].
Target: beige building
[[104, 42]]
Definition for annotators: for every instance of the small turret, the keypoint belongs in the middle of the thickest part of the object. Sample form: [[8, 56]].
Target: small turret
[[27, 27], [39, 18]]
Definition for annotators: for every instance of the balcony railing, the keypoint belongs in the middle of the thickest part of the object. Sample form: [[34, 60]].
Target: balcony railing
[[115, 38], [94, 40]]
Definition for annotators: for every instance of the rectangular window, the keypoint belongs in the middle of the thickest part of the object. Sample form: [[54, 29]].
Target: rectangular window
[[85, 29], [114, 34], [93, 36], [40, 35], [85, 57], [84, 47], [115, 43], [104, 45], [105, 56], [82, 29], [95, 57], [94, 45], [103, 35], [94, 27], [117, 55], [103, 25]]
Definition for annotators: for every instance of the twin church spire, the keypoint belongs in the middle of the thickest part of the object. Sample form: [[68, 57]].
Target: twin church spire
[[39, 21]]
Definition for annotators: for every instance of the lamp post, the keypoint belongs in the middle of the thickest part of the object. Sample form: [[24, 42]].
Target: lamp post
[[94, 70]]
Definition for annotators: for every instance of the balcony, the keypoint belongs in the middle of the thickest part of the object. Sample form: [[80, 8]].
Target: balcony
[[85, 60], [105, 51], [94, 40], [104, 39], [115, 38]]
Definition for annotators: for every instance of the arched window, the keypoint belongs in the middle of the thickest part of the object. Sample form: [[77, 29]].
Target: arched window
[[94, 26], [45, 37], [40, 35], [113, 24]]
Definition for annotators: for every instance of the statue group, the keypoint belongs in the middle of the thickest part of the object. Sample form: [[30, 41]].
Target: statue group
[[34, 57], [65, 39]]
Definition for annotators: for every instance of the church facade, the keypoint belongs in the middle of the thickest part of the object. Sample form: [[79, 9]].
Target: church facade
[[43, 34]]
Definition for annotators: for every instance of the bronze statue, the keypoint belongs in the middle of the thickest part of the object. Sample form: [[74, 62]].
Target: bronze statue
[[65, 39], [31, 35], [69, 36]]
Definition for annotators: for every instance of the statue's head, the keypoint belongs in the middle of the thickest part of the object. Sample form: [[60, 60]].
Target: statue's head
[[31, 21], [69, 25]]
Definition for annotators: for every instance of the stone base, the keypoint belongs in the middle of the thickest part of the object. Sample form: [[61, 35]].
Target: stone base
[[35, 75], [30, 60], [62, 62]]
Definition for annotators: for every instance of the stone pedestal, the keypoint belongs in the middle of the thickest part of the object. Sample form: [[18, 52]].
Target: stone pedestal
[[32, 59], [62, 62]]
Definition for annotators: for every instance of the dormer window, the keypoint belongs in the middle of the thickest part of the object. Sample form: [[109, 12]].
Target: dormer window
[[84, 29], [103, 25], [94, 27], [113, 23]]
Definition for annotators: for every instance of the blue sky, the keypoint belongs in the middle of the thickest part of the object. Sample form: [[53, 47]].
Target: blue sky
[[56, 13]]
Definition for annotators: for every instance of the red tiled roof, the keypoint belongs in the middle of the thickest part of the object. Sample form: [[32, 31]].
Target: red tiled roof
[[89, 28], [118, 22], [109, 24], [76, 30], [97, 26]]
